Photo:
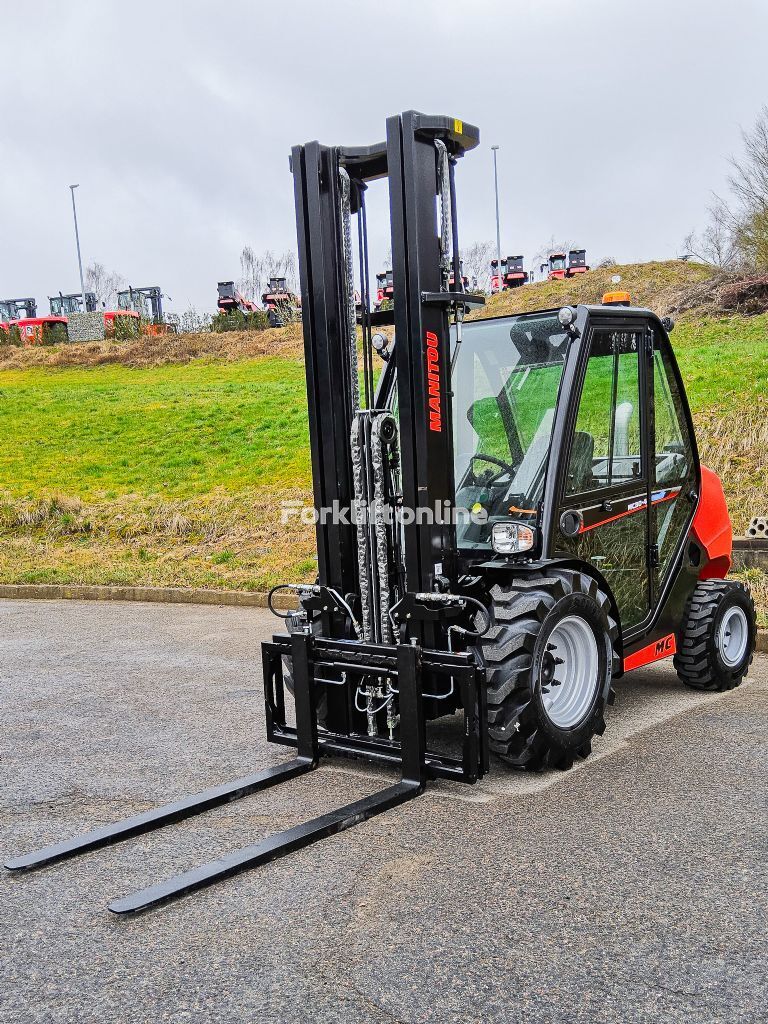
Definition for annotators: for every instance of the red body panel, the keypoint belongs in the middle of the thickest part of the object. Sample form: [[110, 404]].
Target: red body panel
[[712, 527], [655, 651], [111, 314], [31, 328]]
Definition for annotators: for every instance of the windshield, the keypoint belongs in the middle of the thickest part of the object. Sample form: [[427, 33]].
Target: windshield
[[505, 383]]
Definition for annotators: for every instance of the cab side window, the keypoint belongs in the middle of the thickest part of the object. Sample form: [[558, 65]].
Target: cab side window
[[605, 448], [674, 452]]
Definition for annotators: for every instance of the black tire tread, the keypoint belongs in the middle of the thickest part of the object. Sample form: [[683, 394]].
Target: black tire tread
[[695, 661], [519, 609]]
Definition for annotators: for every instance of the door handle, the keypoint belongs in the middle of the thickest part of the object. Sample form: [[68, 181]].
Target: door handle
[[571, 522]]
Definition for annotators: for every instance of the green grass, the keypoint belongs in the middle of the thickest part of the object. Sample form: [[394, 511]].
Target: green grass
[[172, 430], [724, 360]]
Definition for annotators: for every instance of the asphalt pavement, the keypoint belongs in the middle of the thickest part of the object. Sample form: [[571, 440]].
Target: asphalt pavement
[[632, 888]]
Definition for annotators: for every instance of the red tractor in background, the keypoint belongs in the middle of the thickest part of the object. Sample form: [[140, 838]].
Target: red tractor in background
[[280, 303], [556, 266], [230, 299], [513, 274], [560, 265], [385, 288]]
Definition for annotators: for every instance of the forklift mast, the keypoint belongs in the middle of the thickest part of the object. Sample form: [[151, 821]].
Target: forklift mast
[[418, 159], [64, 305], [16, 309], [148, 301]]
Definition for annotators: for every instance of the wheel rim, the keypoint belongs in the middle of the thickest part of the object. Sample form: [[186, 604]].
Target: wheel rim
[[733, 636], [570, 672]]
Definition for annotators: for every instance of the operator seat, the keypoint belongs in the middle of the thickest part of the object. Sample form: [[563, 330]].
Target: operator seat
[[581, 466]]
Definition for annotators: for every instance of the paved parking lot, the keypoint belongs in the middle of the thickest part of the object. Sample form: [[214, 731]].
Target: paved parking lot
[[629, 889]]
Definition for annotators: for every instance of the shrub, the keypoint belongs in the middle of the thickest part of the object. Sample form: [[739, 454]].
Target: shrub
[[125, 327], [11, 337], [239, 321], [54, 334], [748, 297]]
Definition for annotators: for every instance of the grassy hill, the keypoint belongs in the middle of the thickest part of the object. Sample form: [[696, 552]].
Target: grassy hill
[[165, 461]]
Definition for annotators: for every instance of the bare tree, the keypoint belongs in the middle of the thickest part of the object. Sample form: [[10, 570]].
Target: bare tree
[[718, 243], [257, 268], [192, 322], [105, 284], [736, 235], [749, 184], [476, 260]]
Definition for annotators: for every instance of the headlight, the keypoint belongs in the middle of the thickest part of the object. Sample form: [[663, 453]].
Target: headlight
[[511, 538]]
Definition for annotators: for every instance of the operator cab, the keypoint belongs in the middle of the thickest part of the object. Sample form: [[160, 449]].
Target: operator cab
[[558, 265]]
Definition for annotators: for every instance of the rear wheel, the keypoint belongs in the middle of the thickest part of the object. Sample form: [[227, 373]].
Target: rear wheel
[[549, 659], [717, 639]]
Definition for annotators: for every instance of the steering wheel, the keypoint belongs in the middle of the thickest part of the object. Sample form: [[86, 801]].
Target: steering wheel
[[506, 467]]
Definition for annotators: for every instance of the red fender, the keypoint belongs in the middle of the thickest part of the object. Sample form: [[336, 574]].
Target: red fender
[[712, 527]]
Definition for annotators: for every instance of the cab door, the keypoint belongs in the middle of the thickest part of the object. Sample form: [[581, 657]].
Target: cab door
[[604, 481]]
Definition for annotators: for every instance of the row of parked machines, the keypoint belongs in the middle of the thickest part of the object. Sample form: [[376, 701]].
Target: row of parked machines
[[509, 273], [144, 305], [279, 302]]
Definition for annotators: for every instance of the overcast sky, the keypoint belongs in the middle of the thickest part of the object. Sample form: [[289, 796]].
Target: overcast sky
[[615, 120]]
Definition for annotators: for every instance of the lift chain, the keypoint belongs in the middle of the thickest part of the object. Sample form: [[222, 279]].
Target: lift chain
[[349, 282], [446, 243]]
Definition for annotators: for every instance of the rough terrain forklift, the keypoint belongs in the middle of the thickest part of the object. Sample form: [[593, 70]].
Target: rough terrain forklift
[[148, 303], [508, 521]]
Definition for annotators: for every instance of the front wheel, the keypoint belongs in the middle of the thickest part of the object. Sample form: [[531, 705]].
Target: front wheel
[[550, 660]]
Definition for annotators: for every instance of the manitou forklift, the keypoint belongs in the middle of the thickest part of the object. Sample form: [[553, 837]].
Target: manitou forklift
[[510, 520]]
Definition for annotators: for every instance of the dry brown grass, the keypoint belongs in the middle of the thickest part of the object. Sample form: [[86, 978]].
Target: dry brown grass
[[219, 540], [159, 351], [735, 445]]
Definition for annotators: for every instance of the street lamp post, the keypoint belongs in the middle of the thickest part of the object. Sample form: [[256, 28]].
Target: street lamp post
[[77, 240], [498, 229]]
